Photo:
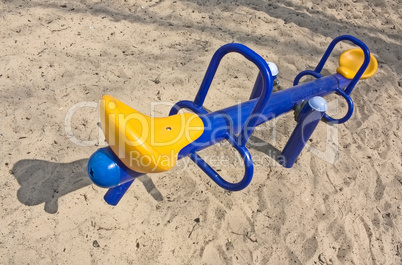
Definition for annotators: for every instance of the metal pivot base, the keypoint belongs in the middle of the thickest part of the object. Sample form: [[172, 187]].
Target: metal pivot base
[[307, 120]]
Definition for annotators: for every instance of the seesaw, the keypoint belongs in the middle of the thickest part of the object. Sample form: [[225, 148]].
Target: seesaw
[[139, 144]]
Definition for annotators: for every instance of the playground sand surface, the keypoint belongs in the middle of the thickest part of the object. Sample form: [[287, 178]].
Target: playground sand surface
[[339, 204]]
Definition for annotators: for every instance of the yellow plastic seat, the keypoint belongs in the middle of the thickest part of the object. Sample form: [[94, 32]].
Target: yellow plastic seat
[[350, 62], [145, 144]]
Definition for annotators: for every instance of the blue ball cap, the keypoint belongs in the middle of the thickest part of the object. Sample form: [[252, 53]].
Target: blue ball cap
[[103, 170]]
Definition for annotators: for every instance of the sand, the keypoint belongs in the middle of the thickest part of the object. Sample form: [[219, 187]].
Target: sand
[[339, 204]]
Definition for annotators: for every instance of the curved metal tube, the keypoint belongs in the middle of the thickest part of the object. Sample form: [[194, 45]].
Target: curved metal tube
[[248, 164], [348, 114], [359, 73], [267, 83]]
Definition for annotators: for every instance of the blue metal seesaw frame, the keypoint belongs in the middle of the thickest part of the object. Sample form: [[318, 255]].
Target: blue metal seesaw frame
[[236, 123]]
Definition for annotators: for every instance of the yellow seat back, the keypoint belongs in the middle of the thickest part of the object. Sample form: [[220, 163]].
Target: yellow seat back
[[350, 62], [146, 144]]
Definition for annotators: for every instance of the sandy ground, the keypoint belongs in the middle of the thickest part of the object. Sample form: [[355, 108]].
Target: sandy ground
[[339, 204]]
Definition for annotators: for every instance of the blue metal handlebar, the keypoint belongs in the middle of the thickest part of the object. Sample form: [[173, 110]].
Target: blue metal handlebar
[[248, 164], [303, 73], [344, 93], [247, 129], [348, 114], [267, 83], [359, 73]]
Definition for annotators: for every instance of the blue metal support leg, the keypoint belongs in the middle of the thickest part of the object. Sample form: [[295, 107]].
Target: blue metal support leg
[[114, 195], [307, 121]]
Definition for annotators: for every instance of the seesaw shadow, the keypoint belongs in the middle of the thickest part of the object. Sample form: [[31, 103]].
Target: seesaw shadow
[[266, 148], [45, 182]]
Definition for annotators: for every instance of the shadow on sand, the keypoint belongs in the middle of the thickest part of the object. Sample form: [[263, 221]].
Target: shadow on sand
[[45, 182]]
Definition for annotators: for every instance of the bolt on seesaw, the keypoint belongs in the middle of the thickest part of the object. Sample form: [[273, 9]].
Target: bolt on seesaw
[[139, 144]]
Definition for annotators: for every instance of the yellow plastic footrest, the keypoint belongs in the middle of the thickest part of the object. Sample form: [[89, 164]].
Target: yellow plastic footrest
[[350, 62], [146, 144]]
